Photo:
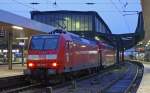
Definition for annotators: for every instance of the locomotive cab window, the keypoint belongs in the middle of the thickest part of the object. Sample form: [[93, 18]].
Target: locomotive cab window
[[44, 42]]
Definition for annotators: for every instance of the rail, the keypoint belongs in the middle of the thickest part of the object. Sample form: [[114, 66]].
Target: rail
[[140, 70], [57, 86], [74, 84], [16, 90], [130, 81]]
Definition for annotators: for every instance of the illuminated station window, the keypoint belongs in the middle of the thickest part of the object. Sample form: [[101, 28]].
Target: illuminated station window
[[75, 21]]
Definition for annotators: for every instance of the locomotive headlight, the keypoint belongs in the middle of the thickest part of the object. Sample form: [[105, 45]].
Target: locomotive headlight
[[54, 64], [30, 64]]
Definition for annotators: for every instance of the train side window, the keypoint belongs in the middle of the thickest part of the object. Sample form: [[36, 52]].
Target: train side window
[[67, 45]]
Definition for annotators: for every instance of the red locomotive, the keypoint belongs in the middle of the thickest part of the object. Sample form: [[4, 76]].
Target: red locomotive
[[62, 52]]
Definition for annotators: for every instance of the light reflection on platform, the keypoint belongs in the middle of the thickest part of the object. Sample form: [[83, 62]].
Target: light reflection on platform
[[17, 69], [145, 83]]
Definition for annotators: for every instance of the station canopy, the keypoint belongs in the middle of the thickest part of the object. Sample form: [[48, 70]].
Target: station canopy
[[128, 40], [20, 27]]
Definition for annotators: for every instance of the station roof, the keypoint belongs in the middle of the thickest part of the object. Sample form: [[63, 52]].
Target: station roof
[[7, 18], [128, 40]]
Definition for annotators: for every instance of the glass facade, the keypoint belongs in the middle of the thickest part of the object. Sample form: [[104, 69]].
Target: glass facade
[[69, 22], [72, 21], [100, 27]]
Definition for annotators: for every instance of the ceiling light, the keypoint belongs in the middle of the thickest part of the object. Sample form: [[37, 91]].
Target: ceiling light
[[97, 38], [22, 38], [17, 27]]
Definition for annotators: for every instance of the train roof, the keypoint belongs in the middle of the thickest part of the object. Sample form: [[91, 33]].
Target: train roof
[[69, 36]]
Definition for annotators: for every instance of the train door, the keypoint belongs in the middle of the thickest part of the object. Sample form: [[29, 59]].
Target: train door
[[68, 56], [100, 59]]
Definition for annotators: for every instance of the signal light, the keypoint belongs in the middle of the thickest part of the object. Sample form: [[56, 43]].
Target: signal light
[[30, 64], [54, 64]]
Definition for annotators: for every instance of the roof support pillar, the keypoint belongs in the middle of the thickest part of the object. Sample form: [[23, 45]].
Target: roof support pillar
[[10, 35], [117, 50], [122, 54], [117, 56]]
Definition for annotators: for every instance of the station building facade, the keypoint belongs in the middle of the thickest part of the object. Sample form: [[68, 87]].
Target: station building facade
[[84, 23]]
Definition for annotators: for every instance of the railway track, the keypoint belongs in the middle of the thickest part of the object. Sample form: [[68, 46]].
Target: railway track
[[103, 82], [132, 88], [23, 88], [12, 82], [130, 82], [31, 88], [94, 79], [123, 82]]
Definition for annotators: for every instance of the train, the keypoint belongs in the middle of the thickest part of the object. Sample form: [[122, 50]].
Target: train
[[62, 53]]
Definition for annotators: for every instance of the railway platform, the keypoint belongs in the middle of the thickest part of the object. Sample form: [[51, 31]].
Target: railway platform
[[17, 69], [145, 83]]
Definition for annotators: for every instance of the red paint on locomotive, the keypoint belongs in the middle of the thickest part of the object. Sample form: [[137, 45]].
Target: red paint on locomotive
[[64, 52]]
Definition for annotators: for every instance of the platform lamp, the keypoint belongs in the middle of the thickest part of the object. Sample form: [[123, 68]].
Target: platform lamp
[[22, 44]]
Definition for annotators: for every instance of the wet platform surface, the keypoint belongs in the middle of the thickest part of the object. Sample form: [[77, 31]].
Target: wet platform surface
[[17, 69], [145, 83]]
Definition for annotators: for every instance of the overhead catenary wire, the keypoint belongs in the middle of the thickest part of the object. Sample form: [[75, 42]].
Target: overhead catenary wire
[[55, 3], [121, 13], [104, 11], [34, 3], [124, 5], [48, 2], [23, 4], [60, 3]]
